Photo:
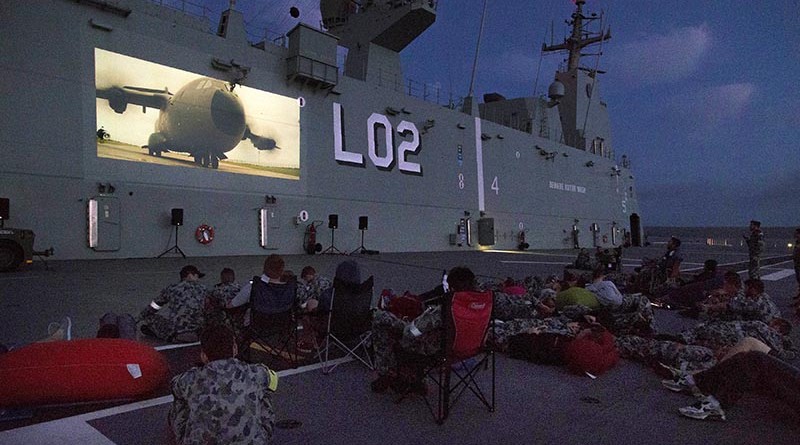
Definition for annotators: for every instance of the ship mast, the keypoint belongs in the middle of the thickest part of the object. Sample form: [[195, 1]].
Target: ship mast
[[579, 38]]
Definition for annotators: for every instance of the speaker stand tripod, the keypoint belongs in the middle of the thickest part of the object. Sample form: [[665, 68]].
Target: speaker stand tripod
[[361, 249], [332, 250], [175, 248]]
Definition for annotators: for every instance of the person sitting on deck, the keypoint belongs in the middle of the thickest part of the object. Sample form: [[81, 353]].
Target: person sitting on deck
[[177, 313], [420, 335], [694, 291], [273, 272], [754, 304], [225, 400], [311, 287], [669, 265], [717, 299], [216, 305]]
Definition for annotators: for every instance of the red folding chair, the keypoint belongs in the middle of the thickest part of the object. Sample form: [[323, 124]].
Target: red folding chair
[[467, 317]]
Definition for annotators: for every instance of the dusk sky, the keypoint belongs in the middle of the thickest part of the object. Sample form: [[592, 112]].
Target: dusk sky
[[701, 94]]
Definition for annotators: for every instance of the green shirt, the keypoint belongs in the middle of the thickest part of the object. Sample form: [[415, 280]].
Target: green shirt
[[576, 295]]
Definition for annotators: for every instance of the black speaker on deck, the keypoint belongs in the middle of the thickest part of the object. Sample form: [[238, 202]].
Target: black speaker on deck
[[5, 208], [333, 221], [363, 223], [177, 217]]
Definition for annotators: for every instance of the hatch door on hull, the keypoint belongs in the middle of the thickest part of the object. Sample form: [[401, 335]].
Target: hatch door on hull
[[108, 224]]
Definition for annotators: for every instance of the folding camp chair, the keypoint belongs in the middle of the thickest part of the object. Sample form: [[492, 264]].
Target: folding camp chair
[[348, 324], [466, 349], [273, 323]]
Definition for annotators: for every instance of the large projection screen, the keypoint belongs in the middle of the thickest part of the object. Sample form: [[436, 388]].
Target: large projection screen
[[156, 114]]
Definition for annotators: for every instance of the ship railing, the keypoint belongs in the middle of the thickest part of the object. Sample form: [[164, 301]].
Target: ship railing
[[429, 92], [264, 35], [187, 7], [258, 37]]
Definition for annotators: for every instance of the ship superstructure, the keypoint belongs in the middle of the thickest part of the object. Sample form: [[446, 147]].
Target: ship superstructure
[[259, 141]]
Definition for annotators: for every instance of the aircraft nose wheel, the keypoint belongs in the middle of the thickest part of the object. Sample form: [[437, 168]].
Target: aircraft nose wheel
[[207, 160]]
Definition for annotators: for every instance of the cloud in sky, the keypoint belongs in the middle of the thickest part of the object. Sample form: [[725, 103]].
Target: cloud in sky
[[664, 58], [724, 103], [711, 108]]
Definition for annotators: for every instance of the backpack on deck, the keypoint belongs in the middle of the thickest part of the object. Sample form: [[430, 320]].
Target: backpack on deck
[[594, 353], [405, 307]]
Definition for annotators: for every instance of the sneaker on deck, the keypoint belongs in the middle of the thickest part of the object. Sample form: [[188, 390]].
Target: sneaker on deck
[[679, 384], [707, 407], [676, 372]]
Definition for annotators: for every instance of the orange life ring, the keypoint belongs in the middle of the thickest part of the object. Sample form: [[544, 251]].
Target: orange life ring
[[204, 234]]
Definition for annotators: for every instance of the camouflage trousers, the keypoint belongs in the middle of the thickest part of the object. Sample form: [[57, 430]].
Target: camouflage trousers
[[388, 336], [507, 307], [634, 316], [167, 329], [501, 332], [754, 267], [222, 317], [674, 354], [160, 327]]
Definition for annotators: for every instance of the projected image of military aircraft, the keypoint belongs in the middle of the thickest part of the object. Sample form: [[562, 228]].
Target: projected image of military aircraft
[[205, 118]]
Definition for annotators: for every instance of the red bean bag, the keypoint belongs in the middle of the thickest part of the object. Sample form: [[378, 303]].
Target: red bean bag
[[594, 353], [80, 371]]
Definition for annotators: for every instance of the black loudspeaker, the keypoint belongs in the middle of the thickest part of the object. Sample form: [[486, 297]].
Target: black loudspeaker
[[5, 208], [363, 223], [177, 217], [333, 221]]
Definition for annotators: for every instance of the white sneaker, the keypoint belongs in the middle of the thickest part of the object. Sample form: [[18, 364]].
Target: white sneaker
[[707, 407]]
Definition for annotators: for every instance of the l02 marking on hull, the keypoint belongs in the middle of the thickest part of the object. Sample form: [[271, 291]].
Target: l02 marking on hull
[[386, 161]]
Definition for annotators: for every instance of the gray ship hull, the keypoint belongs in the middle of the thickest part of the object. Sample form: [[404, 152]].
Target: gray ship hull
[[416, 169]]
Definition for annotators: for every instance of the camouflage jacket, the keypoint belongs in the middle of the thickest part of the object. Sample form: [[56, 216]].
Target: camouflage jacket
[[221, 294], [180, 308], [223, 402], [755, 242], [717, 335], [742, 307], [307, 290]]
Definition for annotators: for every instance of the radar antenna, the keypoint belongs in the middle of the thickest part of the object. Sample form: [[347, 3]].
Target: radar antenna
[[579, 38]]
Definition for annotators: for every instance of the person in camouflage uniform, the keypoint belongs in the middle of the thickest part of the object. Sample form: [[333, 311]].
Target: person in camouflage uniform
[[718, 299], [503, 331], [311, 286], [421, 335], [633, 316], [177, 313], [755, 246], [225, 400], [753, 304], [217, 299], [670, 353], [721, 335]]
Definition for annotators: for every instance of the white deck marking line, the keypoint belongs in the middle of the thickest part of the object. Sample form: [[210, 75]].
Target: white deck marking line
[[534, 262], [779, 275], [739, 262], [175, 346]]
